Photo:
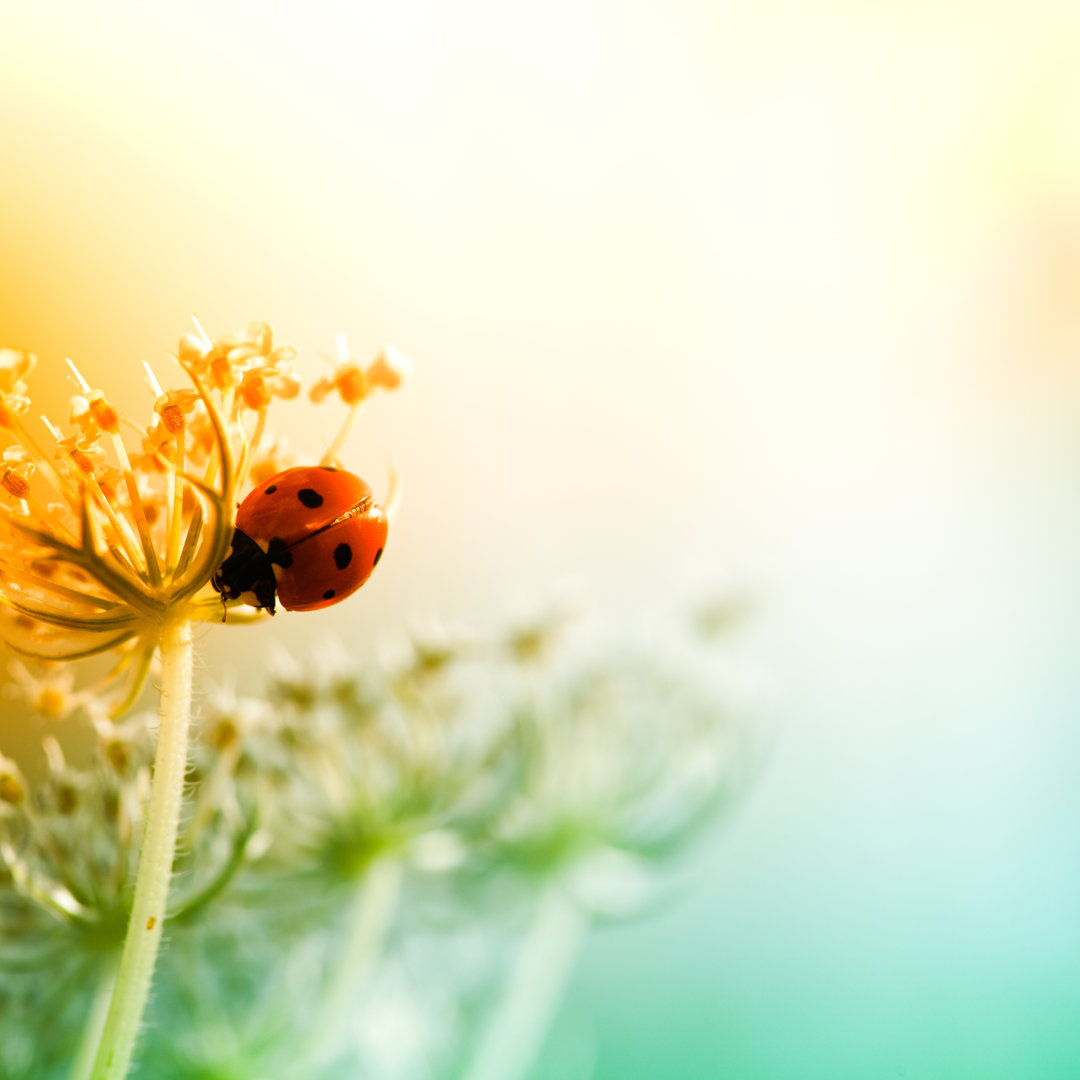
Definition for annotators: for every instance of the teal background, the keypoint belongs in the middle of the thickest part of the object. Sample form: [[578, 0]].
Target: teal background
[[897, 896]]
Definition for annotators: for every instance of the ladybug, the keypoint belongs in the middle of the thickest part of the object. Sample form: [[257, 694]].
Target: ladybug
[[309, 536]]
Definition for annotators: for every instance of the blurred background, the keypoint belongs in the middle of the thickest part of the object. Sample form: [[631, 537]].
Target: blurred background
[[783, 297]]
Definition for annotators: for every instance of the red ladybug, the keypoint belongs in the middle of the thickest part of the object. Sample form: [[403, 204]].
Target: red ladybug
[[310, 535]]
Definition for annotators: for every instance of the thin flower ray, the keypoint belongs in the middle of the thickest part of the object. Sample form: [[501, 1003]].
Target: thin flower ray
[[191, 541], [191, 906], [57, 900], [36, 583], [195, 578], [69, 622], [220, 502], [115, 580], [65, 649], [137, 679], [84, 654]]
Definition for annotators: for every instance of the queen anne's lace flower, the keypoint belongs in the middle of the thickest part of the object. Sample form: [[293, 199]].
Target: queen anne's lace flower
[[101, 545]]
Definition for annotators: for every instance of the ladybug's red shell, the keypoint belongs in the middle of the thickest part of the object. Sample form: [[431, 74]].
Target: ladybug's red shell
[[313, 534]]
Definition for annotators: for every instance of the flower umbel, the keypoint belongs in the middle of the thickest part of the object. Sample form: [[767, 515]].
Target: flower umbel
[[101, 546], [106, 550]]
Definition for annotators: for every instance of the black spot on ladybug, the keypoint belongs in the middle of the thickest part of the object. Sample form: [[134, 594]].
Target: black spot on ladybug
[[342, 556], [328, 595], [270, 490], [328, 468], [278, 553], [378, 556], [310, 498]]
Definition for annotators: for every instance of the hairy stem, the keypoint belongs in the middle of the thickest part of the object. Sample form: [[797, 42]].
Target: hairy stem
[[517, 1028], [155, 861]]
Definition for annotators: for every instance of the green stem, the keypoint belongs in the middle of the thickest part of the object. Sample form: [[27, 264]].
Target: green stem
[[95, 1023], [155, 862], [368, 919], [516, 1031]]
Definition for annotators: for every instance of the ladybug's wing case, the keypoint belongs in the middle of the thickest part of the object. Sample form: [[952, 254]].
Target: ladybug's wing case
[[297, 502], [330, 565]]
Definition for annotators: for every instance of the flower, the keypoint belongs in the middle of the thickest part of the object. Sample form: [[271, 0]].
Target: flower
[[102, 545], [354, 385], [50, 693], [389, 369]]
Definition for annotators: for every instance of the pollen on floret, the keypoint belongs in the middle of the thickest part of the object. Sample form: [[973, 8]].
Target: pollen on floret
[[90, 411], [82, 461], [254, 391], [173, 419], [348, 380], [172, 406], [352, 385], [15, 485], [107, 417], [82, 452], [222, 375]]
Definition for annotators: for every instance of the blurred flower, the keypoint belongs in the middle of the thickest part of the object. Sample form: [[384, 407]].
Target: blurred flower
[[389, 369], [354, 384], [402, 842], [50, 693]]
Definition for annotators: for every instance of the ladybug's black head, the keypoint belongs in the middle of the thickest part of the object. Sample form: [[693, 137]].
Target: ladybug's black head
[[247, 574]]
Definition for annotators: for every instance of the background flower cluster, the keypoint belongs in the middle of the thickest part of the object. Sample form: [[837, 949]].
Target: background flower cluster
[[373, 853]]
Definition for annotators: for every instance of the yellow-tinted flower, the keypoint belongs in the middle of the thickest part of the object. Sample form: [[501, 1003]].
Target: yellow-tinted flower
[[100, 547], [355, 384], [389, 369], [260, 385], [50, 692], [348, 380]]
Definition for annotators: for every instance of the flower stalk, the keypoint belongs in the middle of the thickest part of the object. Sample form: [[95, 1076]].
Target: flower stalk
[[368, 919], [148, 910], [544, 963]]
